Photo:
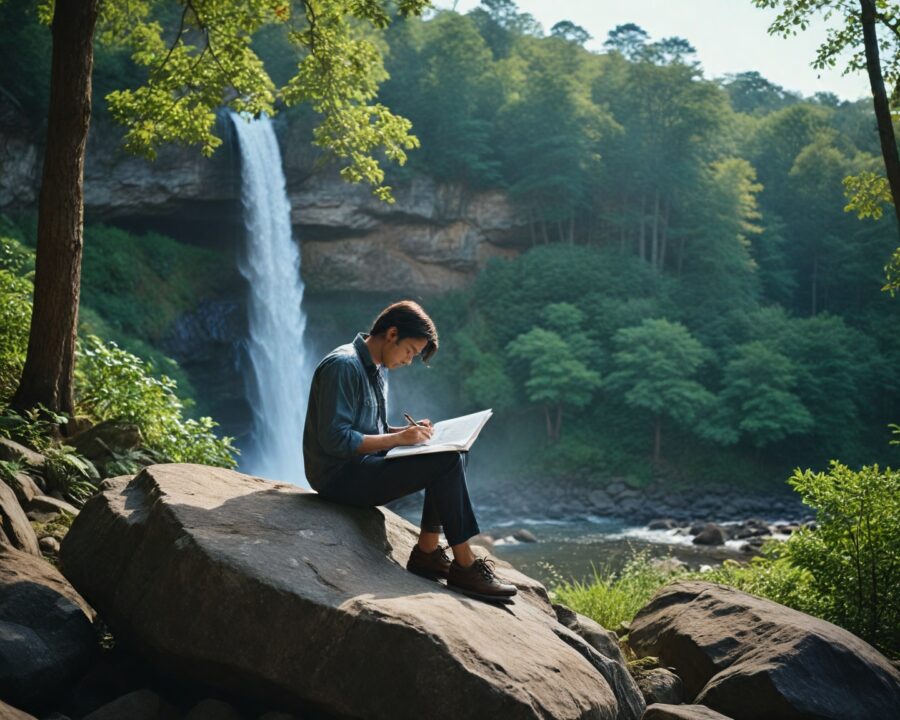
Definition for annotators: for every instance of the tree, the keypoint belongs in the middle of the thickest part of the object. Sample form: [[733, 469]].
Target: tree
[[654, 368], [567, 30], [751, 93], [208, 60], [861, 21], [628, 40], [557, 378], [758, 394]]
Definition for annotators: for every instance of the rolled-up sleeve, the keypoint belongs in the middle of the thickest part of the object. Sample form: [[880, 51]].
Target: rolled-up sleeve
[[338, 399]]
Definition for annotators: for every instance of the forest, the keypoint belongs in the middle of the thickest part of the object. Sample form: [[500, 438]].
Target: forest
[[697, 296]]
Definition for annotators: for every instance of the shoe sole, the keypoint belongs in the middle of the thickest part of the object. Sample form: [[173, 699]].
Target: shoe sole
[[502, 599], [426, 574]]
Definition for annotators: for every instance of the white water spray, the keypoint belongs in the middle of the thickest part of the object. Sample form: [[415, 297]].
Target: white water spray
[[277, 378]]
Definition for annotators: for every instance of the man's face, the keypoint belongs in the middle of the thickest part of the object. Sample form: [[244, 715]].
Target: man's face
[[397, 353]]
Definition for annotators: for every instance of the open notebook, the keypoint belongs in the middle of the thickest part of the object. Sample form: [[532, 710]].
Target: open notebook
[[455, 434]]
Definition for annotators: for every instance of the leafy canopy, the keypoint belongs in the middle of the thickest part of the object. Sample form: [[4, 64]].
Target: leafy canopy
[[207, 60]]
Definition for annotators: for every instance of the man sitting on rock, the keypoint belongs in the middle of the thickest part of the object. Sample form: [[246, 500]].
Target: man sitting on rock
[[347, 435]]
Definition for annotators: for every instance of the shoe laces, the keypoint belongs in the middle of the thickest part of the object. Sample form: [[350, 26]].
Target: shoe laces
[[442, 553], [486, 568]]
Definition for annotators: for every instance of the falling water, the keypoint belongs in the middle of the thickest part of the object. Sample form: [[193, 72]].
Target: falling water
[[278, 373]]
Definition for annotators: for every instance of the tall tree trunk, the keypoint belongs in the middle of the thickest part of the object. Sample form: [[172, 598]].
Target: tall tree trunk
[[47, 377], [664, 234], [880, 100], [680, 262], [654, 244], [559, 416], [657, 439], [549, 422], [815, 282], [642, 239]]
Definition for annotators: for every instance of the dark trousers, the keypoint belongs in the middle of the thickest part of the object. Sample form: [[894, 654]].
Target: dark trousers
[[371, 480]]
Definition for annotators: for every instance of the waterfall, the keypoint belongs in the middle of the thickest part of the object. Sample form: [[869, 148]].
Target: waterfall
[[279, 370]]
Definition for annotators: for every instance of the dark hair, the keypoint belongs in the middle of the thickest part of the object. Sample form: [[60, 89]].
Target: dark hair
[[411, 321]]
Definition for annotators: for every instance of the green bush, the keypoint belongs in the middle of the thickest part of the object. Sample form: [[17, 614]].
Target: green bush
[[611, 598], [853, 555], [113, 384], [769, 575], [70, 473], [16, 266]]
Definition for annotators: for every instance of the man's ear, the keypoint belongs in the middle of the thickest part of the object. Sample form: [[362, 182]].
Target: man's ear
[[392, 334]]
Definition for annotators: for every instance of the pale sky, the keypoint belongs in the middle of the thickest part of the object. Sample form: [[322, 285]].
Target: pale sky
[[730, 37]]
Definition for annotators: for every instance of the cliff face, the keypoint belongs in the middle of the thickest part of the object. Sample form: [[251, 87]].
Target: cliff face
[[434, 238]]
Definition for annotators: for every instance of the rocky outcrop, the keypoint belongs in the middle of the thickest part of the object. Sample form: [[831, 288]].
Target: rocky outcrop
[[46, 636], [660, 686], [434, 238], [245, 584], [662, 711], [612, 664], [751, 658], [15, 530]]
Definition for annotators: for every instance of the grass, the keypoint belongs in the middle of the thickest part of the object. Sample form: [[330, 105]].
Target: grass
[[611, 598]]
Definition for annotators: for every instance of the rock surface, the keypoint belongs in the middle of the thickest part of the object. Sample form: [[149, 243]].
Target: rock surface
[[8, 712], [24, 486], [137, 705], [662, 711], [241, 583], [751, 658], [46, 636], [661, 686], [11, 450], [14, 525], [615, 669], [711, 534]]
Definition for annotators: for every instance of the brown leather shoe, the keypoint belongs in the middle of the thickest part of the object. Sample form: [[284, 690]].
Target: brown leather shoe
[[431, 565], [479, 580]]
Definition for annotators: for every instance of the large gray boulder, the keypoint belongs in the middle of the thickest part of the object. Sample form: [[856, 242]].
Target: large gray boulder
[[14, 525], [751, 658], [46, 636], [263, 589]]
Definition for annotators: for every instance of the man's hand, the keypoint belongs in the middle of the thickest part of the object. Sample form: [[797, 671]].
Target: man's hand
[[414, 434]]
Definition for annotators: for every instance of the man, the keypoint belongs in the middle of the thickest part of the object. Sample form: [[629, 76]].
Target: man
[[346, 436]]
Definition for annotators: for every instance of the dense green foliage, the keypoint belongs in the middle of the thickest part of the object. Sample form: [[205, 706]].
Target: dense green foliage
[[113, 383], [656, 199], [138, 285], [854, 554]]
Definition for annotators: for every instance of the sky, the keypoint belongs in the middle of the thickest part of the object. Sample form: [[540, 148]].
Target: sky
[[730, 37]]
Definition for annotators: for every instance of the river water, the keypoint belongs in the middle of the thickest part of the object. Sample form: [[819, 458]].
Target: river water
[[572, 548]]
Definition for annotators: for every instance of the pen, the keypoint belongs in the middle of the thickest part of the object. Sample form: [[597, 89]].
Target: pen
[[410, 420]]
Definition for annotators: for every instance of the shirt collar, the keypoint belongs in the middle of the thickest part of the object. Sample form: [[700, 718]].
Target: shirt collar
[[359, 342]]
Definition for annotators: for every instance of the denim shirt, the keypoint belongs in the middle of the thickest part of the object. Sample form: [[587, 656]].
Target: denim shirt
[[342, 408]]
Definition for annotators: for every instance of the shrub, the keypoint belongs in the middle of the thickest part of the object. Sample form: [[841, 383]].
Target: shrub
[[115, 385], [611, 598], [16, 262], [853, 555], [70, 473], [769, 575]]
